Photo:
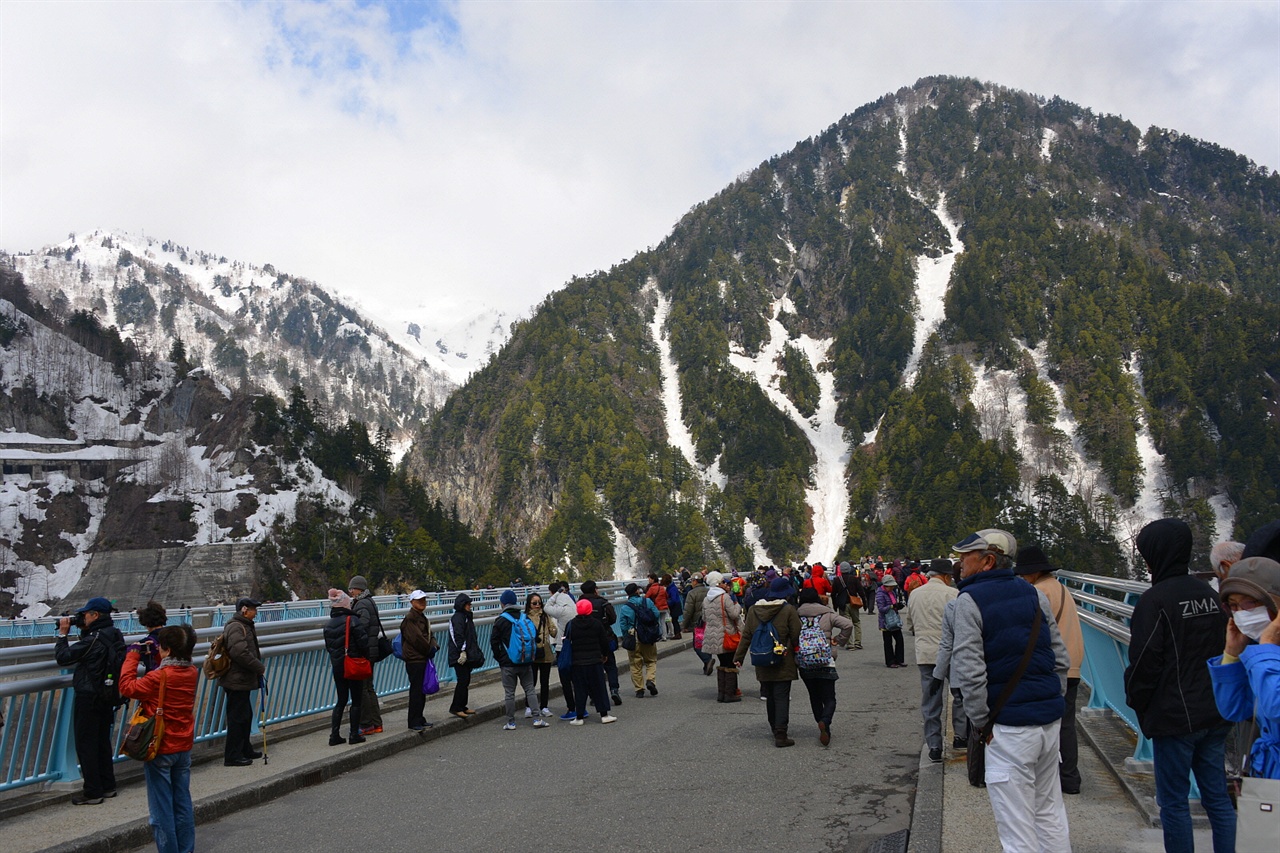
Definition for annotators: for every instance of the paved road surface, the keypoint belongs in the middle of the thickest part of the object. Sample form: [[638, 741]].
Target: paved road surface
[[677, 771]]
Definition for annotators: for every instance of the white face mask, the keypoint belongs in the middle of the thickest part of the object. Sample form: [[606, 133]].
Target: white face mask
[[1252, 622]]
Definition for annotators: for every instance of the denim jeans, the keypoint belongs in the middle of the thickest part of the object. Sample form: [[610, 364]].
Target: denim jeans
[[1176, 758], [173, 820]]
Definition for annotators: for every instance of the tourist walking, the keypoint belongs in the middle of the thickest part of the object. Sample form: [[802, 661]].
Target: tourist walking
[[723, 618], [775, 679], [889, 603], [815, 656], [639, 623]]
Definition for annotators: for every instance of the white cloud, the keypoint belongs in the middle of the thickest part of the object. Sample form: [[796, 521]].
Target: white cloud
[[505, 147]]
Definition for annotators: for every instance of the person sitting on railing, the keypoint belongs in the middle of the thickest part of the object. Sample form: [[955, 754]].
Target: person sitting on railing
[[1176, 627], [1246, 678], [168, 775]]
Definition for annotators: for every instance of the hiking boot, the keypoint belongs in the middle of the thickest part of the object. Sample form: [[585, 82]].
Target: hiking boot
[[653, 688], [780, 738], [824, 734]]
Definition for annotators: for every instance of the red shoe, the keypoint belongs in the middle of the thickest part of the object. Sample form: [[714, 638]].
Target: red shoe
[[370, 730]]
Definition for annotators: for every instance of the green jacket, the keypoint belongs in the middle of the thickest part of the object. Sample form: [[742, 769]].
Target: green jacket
[[786, 621]]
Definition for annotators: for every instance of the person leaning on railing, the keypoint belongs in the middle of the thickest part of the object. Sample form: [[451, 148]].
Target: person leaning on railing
[[1246, 677], [168, 775]]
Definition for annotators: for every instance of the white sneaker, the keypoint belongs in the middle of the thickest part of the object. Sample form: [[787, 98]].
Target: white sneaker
[[608, 718], [510, 726], [528, 712], [541, 724], [546, 712], [577, 722]]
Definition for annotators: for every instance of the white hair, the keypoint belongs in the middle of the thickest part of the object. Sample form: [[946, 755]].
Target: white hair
[[1225, 552]]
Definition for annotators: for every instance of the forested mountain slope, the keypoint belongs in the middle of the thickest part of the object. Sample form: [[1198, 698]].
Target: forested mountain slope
[[959, 306]]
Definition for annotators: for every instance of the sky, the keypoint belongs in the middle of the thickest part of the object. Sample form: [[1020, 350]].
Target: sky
[[438, 156]]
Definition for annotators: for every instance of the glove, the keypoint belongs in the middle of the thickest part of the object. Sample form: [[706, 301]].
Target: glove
[[935, 684]]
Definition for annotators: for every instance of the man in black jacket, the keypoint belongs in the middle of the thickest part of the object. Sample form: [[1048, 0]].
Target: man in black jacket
[[603, 610], [97, 655], [1176, 627]]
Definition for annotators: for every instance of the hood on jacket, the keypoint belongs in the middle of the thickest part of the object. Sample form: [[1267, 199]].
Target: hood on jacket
[[1264, 542], [768, 609], [814, 608], [1165, 544], [460, 603]]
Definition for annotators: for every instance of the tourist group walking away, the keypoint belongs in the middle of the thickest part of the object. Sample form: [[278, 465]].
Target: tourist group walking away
[[994, 630]]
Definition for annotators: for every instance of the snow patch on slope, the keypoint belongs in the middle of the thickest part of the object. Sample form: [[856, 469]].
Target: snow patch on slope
[[828, 498], [933, 275], [1047, 137]]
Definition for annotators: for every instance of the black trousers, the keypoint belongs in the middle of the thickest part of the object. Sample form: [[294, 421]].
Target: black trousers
[[1069, 748], [417, 699], [93, 745], [461, 689], [542, 676], [347, 690], [893, 649], [777, 703], [588, 681], [822, 697], [611, 670], [239, 721]]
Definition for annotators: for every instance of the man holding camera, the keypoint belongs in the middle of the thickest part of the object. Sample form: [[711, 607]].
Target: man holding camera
[[96, 656], [245, 675]]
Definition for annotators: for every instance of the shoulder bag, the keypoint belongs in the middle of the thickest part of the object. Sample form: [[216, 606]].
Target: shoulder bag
[[353, 668], [976, 759], [142, 737], [731, 641]]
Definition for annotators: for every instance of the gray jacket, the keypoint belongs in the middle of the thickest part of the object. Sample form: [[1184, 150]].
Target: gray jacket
[[968, 662]]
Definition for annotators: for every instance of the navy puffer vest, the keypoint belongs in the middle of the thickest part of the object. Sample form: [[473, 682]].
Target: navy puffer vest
[[1007, 604]]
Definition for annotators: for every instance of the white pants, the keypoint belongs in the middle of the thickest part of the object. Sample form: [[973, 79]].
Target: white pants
[[1026, 796]]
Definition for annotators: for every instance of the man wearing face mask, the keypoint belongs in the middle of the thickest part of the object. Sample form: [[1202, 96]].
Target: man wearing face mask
[[1176, 628]]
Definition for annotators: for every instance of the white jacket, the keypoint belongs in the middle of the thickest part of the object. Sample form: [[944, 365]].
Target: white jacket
[[923, 617]]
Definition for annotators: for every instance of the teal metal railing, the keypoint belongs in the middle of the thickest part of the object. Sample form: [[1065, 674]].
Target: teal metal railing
[[37, 743]]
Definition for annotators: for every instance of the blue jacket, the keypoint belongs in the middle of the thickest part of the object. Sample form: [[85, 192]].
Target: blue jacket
[[1252, 686], [993, 616]]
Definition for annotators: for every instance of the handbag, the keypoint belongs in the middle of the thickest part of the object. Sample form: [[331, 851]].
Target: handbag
[[731, 641], [629, 640], [430, 679], [354, 669], [892, 621], [1258, 814], [142, 738], [855, 601], [699, 632], [564, 658], [976, 758]]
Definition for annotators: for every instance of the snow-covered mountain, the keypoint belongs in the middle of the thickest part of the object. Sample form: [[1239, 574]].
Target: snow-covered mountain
[[245, 323]]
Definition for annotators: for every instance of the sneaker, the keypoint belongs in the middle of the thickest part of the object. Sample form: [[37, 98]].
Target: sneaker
[[824, 734], [608, 718], [541, 724], [653, 688], [764, 698], [355, 739], [371, 730], [528, 712], [82, 800], [510, 726], [935, 755], [959, 743], [568, 715], [421, 728], [639, 694], [617, 700], [112, 793], [546, 712], [577, 722]]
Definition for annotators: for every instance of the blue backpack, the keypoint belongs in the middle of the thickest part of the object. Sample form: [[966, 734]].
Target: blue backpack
[[766, 646], [523, 641]]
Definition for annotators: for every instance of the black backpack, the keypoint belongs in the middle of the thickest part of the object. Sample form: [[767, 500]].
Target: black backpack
[[108, 679], [647, 630]]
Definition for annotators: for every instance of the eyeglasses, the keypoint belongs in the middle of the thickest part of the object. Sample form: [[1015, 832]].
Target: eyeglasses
[[1244, 604], [535, 603]]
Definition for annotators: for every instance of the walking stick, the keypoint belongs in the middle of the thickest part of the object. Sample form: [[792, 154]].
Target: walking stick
[[262, 716]]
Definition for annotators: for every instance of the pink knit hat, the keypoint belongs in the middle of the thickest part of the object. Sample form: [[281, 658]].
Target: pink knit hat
[[338, 598], [584, 607]]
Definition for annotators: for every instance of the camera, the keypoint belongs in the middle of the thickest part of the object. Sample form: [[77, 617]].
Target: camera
[[77, 620]]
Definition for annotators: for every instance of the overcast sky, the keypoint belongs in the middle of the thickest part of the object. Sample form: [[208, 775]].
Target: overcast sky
[[421, 153]]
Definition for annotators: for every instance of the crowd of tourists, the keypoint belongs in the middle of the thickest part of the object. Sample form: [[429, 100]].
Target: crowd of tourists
[[993, 629]]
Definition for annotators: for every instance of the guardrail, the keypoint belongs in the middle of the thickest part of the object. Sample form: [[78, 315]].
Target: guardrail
[[1105, 606], [37, 744], [438, 603]]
